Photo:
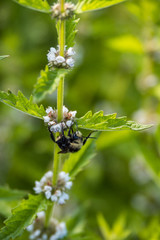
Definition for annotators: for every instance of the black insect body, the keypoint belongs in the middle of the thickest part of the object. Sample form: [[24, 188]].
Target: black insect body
[[72, 143]]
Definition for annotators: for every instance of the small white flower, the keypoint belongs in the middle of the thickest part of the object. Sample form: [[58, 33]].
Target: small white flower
[[64, 176], [71, 52], [51, 123], [60, 59], [56, 12], [63, 125], [37, 190], [54, 198], [61, 201], [44, 236], [30, 228], [31, 237], [65, 110], [73, 113], [38, 184], [56, 128], [69, 123], [49, 109], [41, 214], [37, 233], [58, 193], [63, 198], [64, 64], [70, 62], [61, 230], [53, 237], [67, 12], [53, 50], [49, 174], [68, 185], [48, 194], [48, 188], [51, 56], [43, 180], [46, 119]]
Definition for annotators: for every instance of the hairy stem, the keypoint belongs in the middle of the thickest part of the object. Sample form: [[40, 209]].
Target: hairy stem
[[60, 99], [60, 93], [49, 214]]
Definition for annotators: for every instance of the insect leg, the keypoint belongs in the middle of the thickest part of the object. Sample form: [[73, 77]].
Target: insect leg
[[51, 134], [85, 140], [62, 129]]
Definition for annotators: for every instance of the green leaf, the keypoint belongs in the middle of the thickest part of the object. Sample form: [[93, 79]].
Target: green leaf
[[71, 31], [90, 5], [126, 43], [8, 194], [47, 82], [21, 103], [151, 158], [77, 161], [118, 231], [6, 207], [4, 56], [101, 122], [22, 216], [37, 5]]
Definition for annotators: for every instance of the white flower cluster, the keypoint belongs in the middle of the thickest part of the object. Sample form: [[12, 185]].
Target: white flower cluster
[[51, 119], [54, 193], [55, 60], [68, 12], [54, 231]]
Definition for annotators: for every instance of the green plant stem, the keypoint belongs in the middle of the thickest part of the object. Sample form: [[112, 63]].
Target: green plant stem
[[60, 99], [49, 214], [60, 94]]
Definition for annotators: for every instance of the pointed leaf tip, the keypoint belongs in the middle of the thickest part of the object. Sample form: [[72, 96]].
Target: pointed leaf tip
[[21, 103], [92, 5], [100, 122]]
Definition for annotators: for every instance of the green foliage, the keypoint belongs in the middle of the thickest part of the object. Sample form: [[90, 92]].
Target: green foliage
[[117, 232], [100, 122], [151, 231], [90, 5], [126, 43], [71, 30], [9, 199], [151, 158], [76, 162], [8, 194], [22, 216], [38, 5], [6, 207], [47, 82], [21, 103], [4, 56]]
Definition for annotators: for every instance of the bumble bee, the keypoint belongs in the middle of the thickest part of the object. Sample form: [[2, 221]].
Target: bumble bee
[[71, 143]]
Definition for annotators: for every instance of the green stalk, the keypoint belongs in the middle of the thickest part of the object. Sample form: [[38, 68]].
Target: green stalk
[[60, 99], [49, 214], [60, 94]]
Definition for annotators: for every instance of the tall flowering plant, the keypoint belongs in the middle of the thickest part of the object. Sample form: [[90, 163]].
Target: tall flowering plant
[[36, 214]]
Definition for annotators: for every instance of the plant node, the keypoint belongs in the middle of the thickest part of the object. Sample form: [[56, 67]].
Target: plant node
[[69, 10]]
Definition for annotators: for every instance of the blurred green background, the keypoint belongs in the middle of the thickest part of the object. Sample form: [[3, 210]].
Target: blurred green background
[[118, 68]]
